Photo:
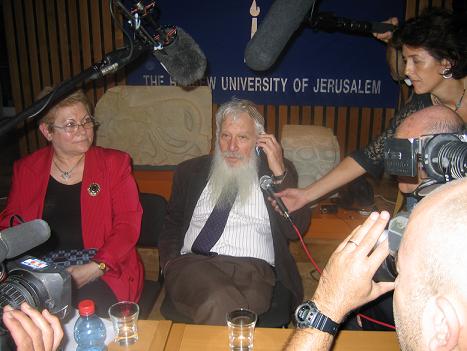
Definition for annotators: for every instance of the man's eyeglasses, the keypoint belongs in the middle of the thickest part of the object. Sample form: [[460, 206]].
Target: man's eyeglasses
[[72, 127]]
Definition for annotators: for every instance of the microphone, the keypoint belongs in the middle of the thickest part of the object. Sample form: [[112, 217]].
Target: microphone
[[265, 182], [21, 238], [182, 58], [282, 20], [175, 49]]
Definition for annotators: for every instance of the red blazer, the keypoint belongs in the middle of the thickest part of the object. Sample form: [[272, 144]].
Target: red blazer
[[110, 220]]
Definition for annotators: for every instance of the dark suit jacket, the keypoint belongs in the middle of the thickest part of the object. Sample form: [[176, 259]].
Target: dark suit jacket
[[110, 221], [189, 181]]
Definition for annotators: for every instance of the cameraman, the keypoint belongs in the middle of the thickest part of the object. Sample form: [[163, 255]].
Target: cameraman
[[431, 120], [31, 329], [430, 295]]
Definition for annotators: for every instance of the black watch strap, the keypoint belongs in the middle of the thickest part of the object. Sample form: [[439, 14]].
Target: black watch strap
[[308, 315]]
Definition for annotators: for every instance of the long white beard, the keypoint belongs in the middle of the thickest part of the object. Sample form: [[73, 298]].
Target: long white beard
[[244, 176]]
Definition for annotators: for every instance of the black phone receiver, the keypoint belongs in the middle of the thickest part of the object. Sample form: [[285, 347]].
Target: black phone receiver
[[259, 151], [263, 159]]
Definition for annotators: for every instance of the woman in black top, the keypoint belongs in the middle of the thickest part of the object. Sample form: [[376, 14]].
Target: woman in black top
[[434, 48]]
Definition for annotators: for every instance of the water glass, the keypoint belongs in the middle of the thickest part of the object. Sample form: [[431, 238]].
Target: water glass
[[241, 326], [124, 317]]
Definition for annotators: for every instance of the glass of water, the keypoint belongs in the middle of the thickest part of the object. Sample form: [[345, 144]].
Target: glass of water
[[124, 317], [241, 326]]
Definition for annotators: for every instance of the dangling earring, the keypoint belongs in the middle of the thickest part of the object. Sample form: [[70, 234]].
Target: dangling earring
[[447, 73]]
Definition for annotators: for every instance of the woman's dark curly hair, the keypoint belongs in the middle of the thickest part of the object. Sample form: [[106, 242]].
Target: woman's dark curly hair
[[440, 32]]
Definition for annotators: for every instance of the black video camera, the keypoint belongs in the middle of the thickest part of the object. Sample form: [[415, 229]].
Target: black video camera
[[387, 272], [40, 284], [442, 156]]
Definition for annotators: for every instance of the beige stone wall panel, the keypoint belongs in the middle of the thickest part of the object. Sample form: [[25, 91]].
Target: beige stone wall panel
[[156, 125]]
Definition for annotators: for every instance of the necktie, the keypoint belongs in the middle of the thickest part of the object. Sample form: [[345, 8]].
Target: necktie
[[215, 224]]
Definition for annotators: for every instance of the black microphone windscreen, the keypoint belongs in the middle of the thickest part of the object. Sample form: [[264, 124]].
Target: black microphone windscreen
[[183, 59], [17, 240], [282, 20]]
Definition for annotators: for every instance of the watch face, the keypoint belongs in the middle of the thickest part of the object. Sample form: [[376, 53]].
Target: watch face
[[304, 314], [307, 315]]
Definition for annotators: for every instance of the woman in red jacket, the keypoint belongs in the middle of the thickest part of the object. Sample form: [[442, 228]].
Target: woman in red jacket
[[89, 197]]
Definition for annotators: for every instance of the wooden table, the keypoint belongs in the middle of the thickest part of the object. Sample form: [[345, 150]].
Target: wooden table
[[184, 337], [152, 336]]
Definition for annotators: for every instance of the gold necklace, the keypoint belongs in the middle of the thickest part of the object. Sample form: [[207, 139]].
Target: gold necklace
[[66, 175]]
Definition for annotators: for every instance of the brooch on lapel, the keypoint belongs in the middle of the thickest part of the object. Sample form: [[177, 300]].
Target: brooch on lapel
[[94, 189]]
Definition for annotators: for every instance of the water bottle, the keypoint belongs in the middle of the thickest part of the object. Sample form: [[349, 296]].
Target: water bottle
[[89, 329]]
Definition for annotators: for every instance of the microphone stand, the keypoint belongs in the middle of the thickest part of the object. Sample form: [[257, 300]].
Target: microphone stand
[[110, 64]]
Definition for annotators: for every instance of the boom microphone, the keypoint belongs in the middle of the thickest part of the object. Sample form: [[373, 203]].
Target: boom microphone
[[282, 20], [182, 58], [265, 182], [17, 240]]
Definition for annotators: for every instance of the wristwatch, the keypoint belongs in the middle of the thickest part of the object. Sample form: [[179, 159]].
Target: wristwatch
[[102, 266], [280, 178], [308, 315]]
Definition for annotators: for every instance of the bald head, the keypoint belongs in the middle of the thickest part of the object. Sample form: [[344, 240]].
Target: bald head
[[430, 120], [430, 297], [438, 228]]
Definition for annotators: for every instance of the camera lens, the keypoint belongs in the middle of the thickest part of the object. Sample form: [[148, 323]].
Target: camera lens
[[20, 287]]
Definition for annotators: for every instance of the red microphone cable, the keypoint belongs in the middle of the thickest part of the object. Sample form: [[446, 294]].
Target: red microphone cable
[[390, 326]]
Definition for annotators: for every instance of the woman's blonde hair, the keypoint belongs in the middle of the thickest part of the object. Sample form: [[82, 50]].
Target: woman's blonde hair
[[76, 97]]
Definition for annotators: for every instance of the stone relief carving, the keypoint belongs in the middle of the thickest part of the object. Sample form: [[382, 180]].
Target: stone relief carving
[[156, 125], [314, 151]]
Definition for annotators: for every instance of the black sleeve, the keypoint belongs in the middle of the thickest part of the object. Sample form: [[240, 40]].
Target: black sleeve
[[172, 235]]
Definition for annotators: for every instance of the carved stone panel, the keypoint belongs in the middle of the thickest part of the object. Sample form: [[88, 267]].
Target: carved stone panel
[[156, 125], [314, 151]]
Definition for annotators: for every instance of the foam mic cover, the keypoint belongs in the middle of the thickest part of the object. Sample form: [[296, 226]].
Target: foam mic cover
[[17, 240], [282, 20], [182, 59]]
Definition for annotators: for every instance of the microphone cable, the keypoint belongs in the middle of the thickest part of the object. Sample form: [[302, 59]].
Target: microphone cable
[[124, 31], [319, 270]]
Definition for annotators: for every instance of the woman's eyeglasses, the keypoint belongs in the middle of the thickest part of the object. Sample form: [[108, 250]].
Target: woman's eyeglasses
[[72, 127]]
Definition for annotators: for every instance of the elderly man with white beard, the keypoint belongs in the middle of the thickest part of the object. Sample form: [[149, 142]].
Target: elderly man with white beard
[[223, 246]]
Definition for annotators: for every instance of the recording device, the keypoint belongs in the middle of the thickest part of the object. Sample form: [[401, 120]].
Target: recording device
[[285, 17], [40, 284], [266, 183], [442, 156], [28, 279], [282, 20], [17, 240], [175, 49], [177, 52], [387, 272]]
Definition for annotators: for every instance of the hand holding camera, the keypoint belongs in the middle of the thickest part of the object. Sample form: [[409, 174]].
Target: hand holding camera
[[31, 329], [346, 282]]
